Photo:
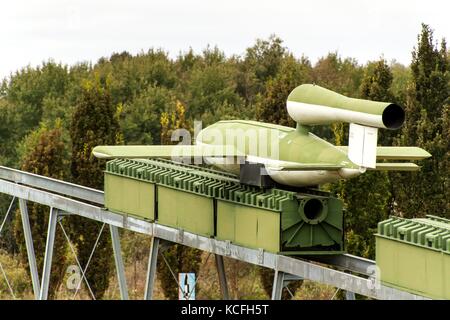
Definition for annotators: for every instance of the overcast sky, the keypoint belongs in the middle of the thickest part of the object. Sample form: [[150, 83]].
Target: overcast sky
[[70, 31]]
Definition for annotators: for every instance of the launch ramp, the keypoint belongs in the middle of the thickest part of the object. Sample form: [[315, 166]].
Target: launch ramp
[[65, 198]]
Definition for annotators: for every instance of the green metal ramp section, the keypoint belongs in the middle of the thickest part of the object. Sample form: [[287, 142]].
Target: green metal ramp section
[[214, 204], [414, 255]]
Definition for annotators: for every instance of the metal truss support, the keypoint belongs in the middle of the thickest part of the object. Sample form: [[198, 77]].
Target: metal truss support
[[75, 256], [151, 269], [52, 185], [88, 262], [30, 248], [11, 291], [222, 277], [5, 218], [278, 285], [347, 262], [119, 262], [59, 195], [52, 221]]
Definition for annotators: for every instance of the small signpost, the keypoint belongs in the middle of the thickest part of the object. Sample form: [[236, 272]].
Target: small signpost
[[186, 290]]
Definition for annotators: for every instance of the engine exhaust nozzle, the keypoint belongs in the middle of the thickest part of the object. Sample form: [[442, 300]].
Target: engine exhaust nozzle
[[310, 104]]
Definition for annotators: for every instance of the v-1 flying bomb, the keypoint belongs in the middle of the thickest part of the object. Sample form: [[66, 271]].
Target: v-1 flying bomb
[[294, 156]]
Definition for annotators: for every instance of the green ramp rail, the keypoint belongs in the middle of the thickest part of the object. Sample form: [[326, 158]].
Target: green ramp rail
[[414, 255]]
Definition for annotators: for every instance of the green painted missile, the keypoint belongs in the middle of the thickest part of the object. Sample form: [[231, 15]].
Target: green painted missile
[[295, 156]]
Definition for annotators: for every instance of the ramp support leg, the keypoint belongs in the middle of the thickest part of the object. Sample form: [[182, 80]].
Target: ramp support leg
[[222, 277], [278, 284], [115, 239], [52, 221], [151, 269], [30, 248]]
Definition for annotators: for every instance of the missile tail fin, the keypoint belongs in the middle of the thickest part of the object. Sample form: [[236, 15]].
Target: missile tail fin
[[362, 145]]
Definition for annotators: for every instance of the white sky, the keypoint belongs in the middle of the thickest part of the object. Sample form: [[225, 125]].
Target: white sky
[[71, 31]]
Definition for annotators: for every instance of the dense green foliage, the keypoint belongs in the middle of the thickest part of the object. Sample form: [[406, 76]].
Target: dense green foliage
[[427, 125], [44, 154], [271, 106], [94, 122], [141, 99]]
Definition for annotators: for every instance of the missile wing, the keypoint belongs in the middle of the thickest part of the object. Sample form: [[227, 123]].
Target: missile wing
[[203, 151], [396, 166], [396, 153], [169, 151]]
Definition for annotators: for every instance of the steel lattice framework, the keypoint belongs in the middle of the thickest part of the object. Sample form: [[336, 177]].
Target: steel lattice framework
[[350, 273]]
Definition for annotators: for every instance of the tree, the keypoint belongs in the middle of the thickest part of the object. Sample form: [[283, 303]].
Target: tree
[[401, 76], [178, 257], [25, 92], [185, 62], [9, 127], [427, 112], [128, 76], [172, 120], [94, 123], [271, 106], [44, 154], [211, 84], [140, 118], [337, 74], [377, 81], [261, 62]]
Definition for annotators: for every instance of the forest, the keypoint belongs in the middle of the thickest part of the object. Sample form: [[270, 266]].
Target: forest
[[52, 115]]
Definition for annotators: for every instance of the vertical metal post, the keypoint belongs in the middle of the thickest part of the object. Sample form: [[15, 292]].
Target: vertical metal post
[[52, 221], [30, 248], [278, 284], [349, 295], [222, 277], [151, 269], [119, 262]]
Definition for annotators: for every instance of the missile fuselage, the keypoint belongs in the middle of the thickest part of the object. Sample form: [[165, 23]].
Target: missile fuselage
[[272, 144]]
